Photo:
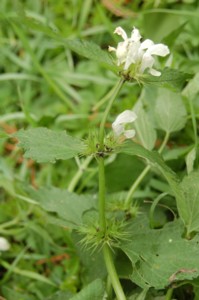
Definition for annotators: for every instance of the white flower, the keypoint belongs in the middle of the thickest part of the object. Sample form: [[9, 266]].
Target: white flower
[[4, 245], [132, 52], [119, 126]]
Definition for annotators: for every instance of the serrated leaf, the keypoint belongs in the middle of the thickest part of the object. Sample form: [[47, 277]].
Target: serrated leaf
[[161, 256], [170, 78], [170, 112], [189, 204], [44, 145], [69, 206], [91, 51]]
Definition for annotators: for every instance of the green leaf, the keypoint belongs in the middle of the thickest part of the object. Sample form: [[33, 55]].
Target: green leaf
[[170, 39], [192, 88], [169, 78], [11, 294], [91, 51], [95, 291], [145, 131], [190, 159], [161, 256], [170, 112], [155, 159], [44, 145], [60, 296], [189, 203], [69, 206]]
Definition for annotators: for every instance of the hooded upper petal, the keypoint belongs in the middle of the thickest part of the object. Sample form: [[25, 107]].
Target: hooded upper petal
[[120, 31], [158, 49], [135, 35]]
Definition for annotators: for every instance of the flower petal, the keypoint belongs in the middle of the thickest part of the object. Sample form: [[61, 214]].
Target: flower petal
[[135, 35], [125, 117], [118, 129], [120, 31], [121, 52], [146, 44], [129, 134], [158, 49], [154, 72], [147, 62], [110, 49], [133, 54]]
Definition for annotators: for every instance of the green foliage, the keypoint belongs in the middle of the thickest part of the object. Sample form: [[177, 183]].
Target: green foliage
[[188, 204], [144, 126], [170, 78], [162, 259], [56, 81], [68, 206], [91, 51], [155, 160], [170, 112], [94, 290], [45, 145]]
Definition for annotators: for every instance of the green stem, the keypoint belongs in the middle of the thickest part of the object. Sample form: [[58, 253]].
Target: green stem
[[109, 288], [143, 174], [105, 98], [169, 294], [166, 138], [102, 216], [102, 212], [115, 91], [112, 273], [79, 173]]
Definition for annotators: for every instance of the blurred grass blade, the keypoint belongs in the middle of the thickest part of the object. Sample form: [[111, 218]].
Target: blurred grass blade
[[27, 273], [39, 67]]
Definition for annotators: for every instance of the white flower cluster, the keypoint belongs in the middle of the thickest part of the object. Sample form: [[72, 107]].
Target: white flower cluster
[[137, 56]]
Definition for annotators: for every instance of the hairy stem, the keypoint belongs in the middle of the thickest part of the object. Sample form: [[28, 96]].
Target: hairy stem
[[112, 273], [102, 215], [102, 204]]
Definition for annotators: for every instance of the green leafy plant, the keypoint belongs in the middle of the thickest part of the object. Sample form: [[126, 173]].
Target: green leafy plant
[[81, 229]]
